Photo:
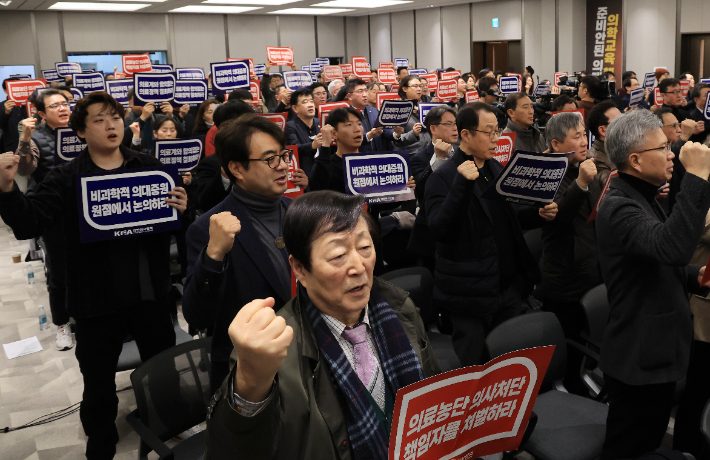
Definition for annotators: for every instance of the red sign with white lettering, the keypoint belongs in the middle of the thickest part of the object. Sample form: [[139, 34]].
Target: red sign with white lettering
[[136, 63], [293, 190], [31, 109], [557, 77], [431, 78], [361, 68], [251, 63], [279, 55], [20, 90], [384, 96], [347, 69], [386, 76], [278, 118], [446, 90], [685, 87], [472, 96], [255, 91], [451, 75], [325, 109], [657, 98], [386, 65], [504, 148], [332, 72], [469, 412]]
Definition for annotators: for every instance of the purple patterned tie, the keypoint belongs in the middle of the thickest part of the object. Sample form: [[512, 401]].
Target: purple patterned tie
[[364, 360]]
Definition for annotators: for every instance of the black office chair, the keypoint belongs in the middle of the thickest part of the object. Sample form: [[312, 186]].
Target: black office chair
[[172, 391], [420, 285], [131, 359], [596, 312], [533, 238], [569, 427]]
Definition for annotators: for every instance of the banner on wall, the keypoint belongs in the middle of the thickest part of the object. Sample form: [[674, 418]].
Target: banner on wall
[[604, 36]]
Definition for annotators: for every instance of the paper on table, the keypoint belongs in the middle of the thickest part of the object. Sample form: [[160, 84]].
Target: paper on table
[[22, 347]]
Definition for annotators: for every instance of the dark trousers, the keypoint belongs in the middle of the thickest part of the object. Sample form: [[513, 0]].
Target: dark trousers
[[99, 343], [573, 322], [53, 240], [638, 418], [470, 332], [686, 434]]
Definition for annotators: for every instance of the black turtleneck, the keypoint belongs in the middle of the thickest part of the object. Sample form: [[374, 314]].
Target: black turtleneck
[[646, 189]]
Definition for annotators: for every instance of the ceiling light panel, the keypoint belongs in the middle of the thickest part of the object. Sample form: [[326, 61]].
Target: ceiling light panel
[[89, 6], [214, 9], [311, 11], [362, 3], [250, 2]]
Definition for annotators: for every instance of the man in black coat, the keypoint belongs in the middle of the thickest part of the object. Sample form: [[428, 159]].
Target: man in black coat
[[482, 260], [644, 259], [304, 129], [700, 96], [10, 116]]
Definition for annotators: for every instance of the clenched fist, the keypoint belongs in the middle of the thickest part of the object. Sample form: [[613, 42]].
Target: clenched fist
[[441, 149], [687, 128], [8, 168], [587, 171], [224, 227], [468, 169], [696, 159], [28, 127], [261, 340]]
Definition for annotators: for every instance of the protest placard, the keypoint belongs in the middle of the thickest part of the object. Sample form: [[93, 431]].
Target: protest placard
[[297, 79], [705, 80], [69, 146], [504, 148], [508, 85], [279, 118], [279, 55], [346, 69], [259, 70], [636, 96], [78, 94], [21, 76], [119, 205], [255, 91], [386, 76], [227, 76], [394, 113], [386, 65], [90, 82], [657, 98], [431, 78], [649, 80], [593, 215], [325, 109], [706, 109], [385, 96], [51, 75], [424, 108], [118, 89], [541, 90], [154, 87], [684, 87], [381, 177], [470, 412], [472, 96], [20, 90], [530, 178], [558, 75], [401, 63], [361, 68], [136, 63], [184, 153], [323, 60], [67, 69], [163, 68], [450, 75], [332, 72], [249, 60], [315, 67], [293, 190], [190, 73], [446, 90], [418, 71], [190, 92], [30, 109]]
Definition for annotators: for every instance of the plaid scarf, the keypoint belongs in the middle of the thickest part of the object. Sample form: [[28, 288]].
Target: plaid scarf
[[399, 362]]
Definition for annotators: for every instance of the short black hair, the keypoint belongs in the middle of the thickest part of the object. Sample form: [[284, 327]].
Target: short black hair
[[77, 120], [230, 110], [436, 114], [592, 83], [498, 73], [341, 115], [39, 101], [314, 214], [561, 101], [667, 83], [628, 74], [4, 82], [530, 70], [468, 115], [485, 83], [399, 69], [511, 102], [608, 73], [129, 94], [626, 83], [303, 92], [695, 93], [597, 116], [483, 72], [405, 83], [240, 95], [662, 111], [318, 85], [351, 84], [234, 136], [683, 75]]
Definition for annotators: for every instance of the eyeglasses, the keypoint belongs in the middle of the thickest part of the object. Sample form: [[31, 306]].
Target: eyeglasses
[[414, 86], [449, 124], [674, 126], [491, 134], [57, 105], [275, 160], [360, 91], [666, 148], [677, 92]]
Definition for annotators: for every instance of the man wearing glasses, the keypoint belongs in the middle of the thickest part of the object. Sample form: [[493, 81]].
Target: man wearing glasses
[[673, 98], [236, 251], [644, 258], [356, 91], [482, 262]]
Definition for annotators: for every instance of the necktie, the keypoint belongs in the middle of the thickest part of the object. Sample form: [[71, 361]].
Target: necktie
[[364, 360]]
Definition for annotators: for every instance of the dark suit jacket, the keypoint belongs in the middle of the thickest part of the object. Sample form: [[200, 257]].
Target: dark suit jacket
[[697, 115], [297, 134], [644, 262], [380, 143], [208, 182]]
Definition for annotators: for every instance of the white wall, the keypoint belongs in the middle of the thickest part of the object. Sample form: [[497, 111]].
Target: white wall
[[299, 32], [403, 36], [250, 35], [16, 44], [199, 40], [650, 35], [380, 39], [539, 39], [331, 41], [457, 37], [694, 16], [50, 49], [428, 38], [572, 38], [87, 32]]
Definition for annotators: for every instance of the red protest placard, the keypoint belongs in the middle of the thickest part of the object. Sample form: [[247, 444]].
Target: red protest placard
[[20, 90], [31, 109], [593, 214], [346, 69], [386, 65], [332, 72], [279, 55], [451, 75], [361, 68], [578, 112], [394, 88], [255, 91], [136, 63], [278, 118], [325, 109], [504, 148], [657, 99], [557, 78], [293, 190], [685, 87], [469, 412], [383, 96], [431, 78], [387, 76], [472, 96], [446, 90], [119, 76], [251, 63]]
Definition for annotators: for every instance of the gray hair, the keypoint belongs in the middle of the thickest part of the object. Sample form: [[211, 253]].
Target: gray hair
[[629, 132], [332, 84], [558, 127]]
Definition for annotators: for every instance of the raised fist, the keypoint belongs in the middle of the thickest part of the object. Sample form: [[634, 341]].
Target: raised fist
[[224, 227], [468, 169], [587, 171]]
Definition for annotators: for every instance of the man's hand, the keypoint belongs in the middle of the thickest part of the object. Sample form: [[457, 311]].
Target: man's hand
[[183, 110], [9, 105], [299, 178], [148, 110], [441, 149], [318, 141], [587, 171], [417, 128], [135, 129], [268, 68], [8, 168], [167, 109], [286, 96], [327, 132], [223, 228], [293, 66], [548, 212], [664, 192], [683, 102], [187, 178], [434, 99], [28, 127], [179, 200], [411, 183], [696, 159], [261, 340], [555, 90], [699, 127], [398, 130], [374, 133], [687, 127], [468, 169]]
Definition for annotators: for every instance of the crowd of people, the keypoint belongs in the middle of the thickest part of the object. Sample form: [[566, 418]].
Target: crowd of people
[[317, 373]]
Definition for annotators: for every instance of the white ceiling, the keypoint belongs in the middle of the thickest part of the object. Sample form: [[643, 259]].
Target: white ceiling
[[166, 6]]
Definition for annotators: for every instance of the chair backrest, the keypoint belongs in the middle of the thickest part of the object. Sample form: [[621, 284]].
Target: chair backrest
[[596, 310], [527, 331], [420, 285], [172, 388], [533, 238]]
